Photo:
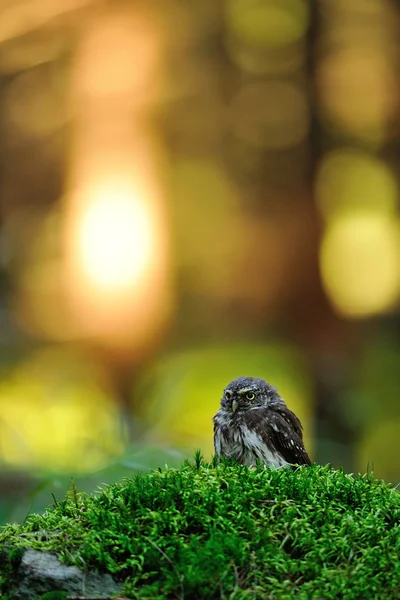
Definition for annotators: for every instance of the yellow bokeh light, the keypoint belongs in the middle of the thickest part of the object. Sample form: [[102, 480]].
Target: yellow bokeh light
[[55, 414], [360, 263], [115, 236], [270, 23], [350, 178]]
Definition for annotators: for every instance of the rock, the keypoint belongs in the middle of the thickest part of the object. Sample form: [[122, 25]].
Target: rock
[[41, 572]]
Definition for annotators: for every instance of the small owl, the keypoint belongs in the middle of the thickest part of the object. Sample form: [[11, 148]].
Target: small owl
[[254, 424]]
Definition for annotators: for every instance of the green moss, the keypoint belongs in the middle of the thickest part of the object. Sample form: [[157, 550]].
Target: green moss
[[212, 531]]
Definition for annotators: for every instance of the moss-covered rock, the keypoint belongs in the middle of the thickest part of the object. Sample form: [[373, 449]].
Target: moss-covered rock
[[212, 531]]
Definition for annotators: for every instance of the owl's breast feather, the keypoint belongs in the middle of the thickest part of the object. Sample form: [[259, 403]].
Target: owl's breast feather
[[235, 438], [226, 434]]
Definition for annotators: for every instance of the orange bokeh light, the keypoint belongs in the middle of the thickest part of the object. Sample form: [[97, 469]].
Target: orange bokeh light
[[114, 236], [116, 255]]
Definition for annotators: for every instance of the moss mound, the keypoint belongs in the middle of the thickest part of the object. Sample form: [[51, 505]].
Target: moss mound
[[205, 531]]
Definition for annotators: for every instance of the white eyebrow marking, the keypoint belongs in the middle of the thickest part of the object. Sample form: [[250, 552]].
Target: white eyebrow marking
[[244, 390]]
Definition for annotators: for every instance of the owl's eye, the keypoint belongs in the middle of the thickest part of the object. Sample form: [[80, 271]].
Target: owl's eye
[[250, 396], [228, 394]]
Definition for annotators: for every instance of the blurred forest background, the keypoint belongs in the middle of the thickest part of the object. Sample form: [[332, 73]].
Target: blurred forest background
[[191, 191]]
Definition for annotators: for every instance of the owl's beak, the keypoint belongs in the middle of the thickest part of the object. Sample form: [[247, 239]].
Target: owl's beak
[[234, 405]]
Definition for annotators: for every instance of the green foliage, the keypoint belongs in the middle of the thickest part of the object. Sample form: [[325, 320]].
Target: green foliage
[[227, 531]]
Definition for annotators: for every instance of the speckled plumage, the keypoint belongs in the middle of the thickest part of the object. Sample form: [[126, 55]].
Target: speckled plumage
[[254, 424]]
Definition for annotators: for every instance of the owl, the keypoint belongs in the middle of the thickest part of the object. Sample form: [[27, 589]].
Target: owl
[[254, 424]]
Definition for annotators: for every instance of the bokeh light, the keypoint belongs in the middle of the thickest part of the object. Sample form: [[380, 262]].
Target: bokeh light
[[59, 416], [360, 263], [350, 179], [114, 237], [358, 93], [269, 23], [266, 38]]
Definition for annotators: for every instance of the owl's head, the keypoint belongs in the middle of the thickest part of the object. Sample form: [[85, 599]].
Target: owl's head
[[245, 393]]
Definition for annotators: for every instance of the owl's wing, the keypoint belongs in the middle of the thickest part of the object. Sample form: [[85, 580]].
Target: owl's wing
[[282, 429]]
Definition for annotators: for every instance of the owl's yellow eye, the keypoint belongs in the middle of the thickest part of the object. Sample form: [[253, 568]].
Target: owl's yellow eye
[[250, 396]]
